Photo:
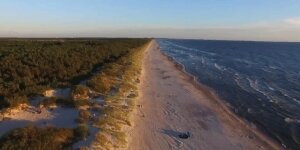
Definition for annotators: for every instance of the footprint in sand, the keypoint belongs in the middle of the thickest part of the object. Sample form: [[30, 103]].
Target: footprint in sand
[[176, 145]]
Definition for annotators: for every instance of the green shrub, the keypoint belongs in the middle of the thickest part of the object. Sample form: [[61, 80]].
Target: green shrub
[[34, 138], [66, 102], [16, 100], [72, 103], [81, 132], [85, 115], [80, 90], [79, 103], [100, 83], [4, 103], [80, 120], [48, 102]]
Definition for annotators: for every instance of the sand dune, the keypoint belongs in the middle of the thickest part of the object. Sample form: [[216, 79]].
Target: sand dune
[[59, 117], [169, 103]]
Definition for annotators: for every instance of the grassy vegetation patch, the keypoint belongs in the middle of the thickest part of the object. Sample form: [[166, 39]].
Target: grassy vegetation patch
[[84, 116], [49, 102], [33, 138], [122, 74], [80, 92], [81, 132], [13, 101]]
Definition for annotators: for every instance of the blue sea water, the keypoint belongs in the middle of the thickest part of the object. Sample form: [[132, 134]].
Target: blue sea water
[[259, 81]]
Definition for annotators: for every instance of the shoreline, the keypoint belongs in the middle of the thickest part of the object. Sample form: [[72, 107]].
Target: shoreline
[[219, 101], [226, 117]]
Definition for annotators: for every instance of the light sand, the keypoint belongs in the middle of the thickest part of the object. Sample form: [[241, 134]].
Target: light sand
[[59, 117], [170, 103]]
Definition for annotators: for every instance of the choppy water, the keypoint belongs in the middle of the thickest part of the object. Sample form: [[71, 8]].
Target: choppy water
[[260, 81]]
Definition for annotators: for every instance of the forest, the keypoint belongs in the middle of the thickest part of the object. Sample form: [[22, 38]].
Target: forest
[[29, 66]]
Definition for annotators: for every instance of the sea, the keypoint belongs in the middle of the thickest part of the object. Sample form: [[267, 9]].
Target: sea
[[259, 81]]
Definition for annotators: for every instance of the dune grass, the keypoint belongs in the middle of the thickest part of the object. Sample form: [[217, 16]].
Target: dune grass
[[122, 74], [81, 132], [34, 138]]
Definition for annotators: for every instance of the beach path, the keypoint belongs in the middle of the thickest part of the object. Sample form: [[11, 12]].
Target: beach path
[[169, 104]]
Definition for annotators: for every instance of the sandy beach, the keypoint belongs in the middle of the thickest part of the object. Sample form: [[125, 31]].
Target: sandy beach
[[169, 104]]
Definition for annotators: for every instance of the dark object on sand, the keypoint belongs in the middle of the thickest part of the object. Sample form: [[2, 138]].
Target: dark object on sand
[[184, 135], [39, 111], [137, 80]]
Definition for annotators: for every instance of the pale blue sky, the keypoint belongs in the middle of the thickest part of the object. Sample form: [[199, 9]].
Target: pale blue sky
[[210, 19]]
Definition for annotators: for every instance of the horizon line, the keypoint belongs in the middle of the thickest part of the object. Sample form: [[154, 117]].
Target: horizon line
[[123, 37]]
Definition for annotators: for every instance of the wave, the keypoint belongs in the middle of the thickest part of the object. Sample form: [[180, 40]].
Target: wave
[[241, 83], [191, 49], [245, 61], [219, 67], [251, 80]]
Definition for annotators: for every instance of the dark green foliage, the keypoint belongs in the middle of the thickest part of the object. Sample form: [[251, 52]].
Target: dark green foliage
[[66, 102], [29, 66], [71, 102], [100, 83], [80, 92], [49, 101], [33, 138], [80, 89], [81, 132], [78, 103], [13, 101], [85, 115], [3, 102], [80, 120]]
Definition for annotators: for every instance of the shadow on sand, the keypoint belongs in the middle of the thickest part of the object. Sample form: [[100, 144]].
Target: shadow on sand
[[170, 132]]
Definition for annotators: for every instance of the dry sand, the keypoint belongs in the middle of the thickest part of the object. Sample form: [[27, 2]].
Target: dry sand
[[169, 103], [59, 117]]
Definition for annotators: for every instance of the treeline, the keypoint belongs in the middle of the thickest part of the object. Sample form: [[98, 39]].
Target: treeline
[[29, 66]]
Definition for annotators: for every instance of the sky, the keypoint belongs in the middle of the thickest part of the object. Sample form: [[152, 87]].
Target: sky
[[261, 20]]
